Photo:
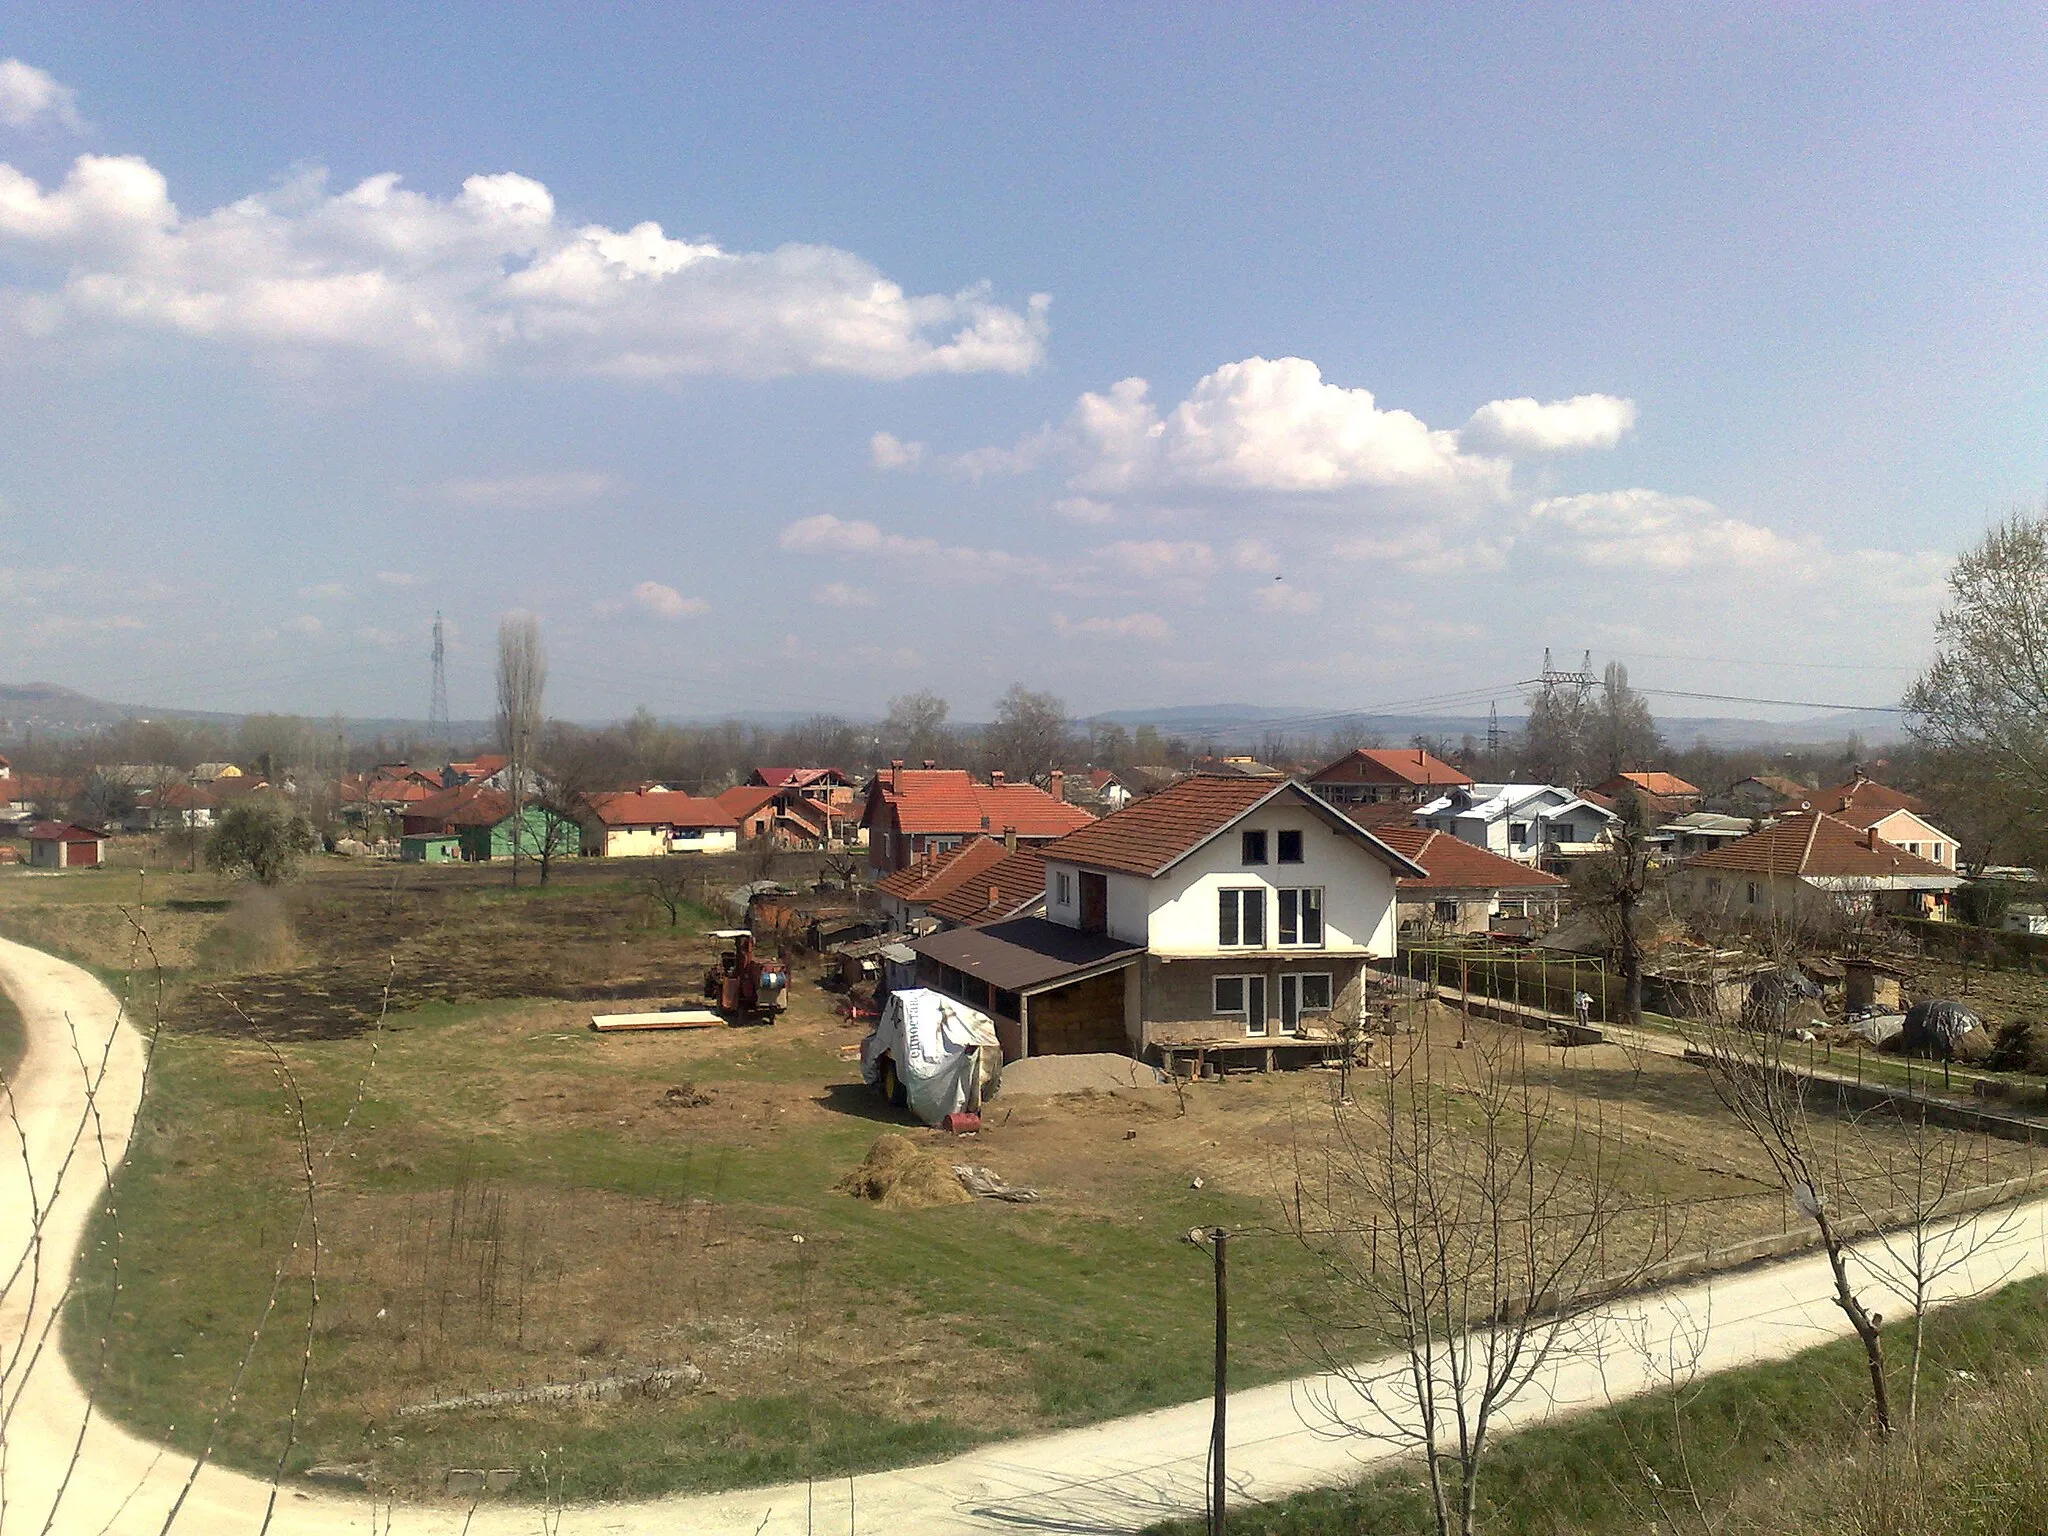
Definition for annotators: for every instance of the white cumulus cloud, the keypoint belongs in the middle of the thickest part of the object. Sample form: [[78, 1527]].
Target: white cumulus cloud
[[1129, 626], [666, 602], [399, 578], [528, 493], [29, 95], [824, 533], [1157, 559], [1652, 531], [491, 276], [888, 451], [1278, 597], [1268, 424], [1561, 426], [839, 594], [325, 591]]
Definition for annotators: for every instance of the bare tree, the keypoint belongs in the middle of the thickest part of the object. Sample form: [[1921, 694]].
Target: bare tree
[[1462, 1218], [1986, 695], [1622, 730], [573, 765], [1029, 737], [522, 683], [1768, 1098], [916, 729], [668, 882], [1612, 885]]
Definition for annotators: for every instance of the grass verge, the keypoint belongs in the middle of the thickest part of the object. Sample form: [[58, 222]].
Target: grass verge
[[1766, 1447]]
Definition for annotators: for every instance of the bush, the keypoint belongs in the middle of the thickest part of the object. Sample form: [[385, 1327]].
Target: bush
[[260, 838], [2020, 1046]]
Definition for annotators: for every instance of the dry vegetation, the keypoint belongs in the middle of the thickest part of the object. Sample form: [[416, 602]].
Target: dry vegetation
[[519, 1201]]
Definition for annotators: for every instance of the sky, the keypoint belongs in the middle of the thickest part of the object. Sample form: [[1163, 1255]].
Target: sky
[[796, 357]]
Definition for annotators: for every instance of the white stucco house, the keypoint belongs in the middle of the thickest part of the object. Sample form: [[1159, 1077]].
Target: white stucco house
[[649, 824], [1220, 914], [1519, 821]]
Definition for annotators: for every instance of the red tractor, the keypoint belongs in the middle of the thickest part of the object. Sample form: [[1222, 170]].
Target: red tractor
[[742, 986]]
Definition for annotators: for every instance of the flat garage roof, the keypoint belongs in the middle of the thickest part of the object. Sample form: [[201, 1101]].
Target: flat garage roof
[[1027, 954]]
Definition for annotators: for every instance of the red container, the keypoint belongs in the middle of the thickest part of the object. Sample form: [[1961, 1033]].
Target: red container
[[961, 1123]]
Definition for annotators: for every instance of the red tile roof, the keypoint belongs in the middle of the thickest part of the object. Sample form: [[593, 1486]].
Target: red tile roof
[[1665, 786], [1818, 845], [1862, 801], [1016, 880], [61, 832], [1148, 836], [660, 808], [935, 875], [1456, 865], [1401, 765], [945, 802], [745, 799]]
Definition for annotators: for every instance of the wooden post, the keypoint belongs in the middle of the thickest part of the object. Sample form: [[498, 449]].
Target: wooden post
[[1217, 1442]]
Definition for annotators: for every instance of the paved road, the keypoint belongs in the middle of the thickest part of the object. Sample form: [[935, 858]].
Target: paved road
[[74, 1102]]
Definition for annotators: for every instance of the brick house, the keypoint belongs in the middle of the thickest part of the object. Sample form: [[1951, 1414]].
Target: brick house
[[914, 811], [1808, 856], [1372, 775]]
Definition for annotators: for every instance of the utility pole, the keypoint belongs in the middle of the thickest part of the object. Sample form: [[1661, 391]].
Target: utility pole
[[1216, 1440]]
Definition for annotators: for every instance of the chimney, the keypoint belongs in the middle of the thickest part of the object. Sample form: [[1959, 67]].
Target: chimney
[[995, 778], [895, 775], [931, 763], [1059, 784], [1010, 838], [994, 892]]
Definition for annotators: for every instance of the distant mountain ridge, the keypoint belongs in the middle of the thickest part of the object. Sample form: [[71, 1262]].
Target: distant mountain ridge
[[30, 708]]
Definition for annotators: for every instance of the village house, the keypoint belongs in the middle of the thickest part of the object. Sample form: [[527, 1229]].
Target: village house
[[1013, 887], [914, 811], [1661, 795], [60, 845], [905, 895], [1374, 776], [981, 879], [1897, 817], [1700, 832], [438, 814], [1523, 822], [1762, 793], [192, 807], [486, 768], [1465, 889], [1221, 915], [661, 822], [484, 832], [1807, 855]]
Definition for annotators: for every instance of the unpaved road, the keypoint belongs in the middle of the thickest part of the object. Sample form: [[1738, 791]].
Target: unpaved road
[[74, 1104]]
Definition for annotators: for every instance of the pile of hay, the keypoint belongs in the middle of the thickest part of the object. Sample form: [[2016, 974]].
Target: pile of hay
[[899, 1177]]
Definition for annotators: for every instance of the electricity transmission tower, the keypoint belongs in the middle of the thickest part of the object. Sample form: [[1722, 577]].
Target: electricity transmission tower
[[1493, 731], [437, 703], [1551, 679]]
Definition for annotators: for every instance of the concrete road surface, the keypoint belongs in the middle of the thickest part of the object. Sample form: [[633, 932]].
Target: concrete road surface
[[73, 1107]]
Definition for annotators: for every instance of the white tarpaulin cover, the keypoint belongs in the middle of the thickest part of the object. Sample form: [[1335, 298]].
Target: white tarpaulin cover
[[946, 1054]]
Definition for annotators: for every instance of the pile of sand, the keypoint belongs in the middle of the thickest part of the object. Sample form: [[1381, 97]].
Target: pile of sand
[[1099, 1071], [898, 1176]]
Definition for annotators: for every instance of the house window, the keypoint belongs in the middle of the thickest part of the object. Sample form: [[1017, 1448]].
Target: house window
[[1518, 832], [1300, 994], [1289, 849], [1941, 853], [1252, 848], [1242, 998], [1062, 888], [1301, 918], [1514, 909], [1447, 910], [1241, 919], [1751, 890]]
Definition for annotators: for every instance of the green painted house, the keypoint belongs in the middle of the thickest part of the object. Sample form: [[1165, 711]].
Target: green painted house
[[481, 843], [429, 848]]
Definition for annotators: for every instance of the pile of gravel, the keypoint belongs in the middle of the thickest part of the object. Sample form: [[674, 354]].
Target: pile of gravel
[[1099, 1071]]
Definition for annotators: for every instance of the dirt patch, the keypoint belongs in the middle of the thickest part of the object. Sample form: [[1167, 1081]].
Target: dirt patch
[[1039, 1075], [899, 1176]]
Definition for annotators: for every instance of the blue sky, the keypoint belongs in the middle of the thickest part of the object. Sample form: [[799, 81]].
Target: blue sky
[[793, 357]]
